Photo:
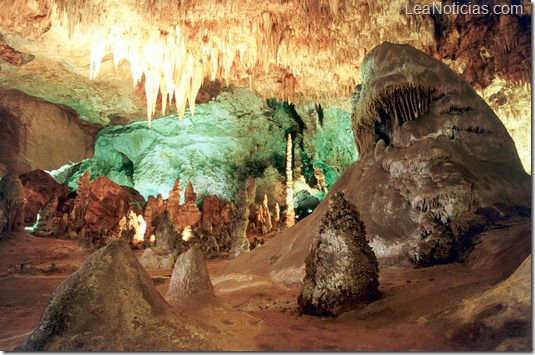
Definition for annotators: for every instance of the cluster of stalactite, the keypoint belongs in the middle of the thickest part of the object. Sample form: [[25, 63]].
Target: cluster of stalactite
[[173, 45], [379, 116]]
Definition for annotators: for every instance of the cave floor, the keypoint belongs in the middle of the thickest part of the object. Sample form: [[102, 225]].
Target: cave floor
[[251, 312]]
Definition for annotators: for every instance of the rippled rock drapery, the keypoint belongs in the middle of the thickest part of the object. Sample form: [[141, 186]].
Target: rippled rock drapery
[[111, 304], [341, 270]]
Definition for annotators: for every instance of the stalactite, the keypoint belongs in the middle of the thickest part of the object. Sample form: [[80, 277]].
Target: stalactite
[[172, 46], [290, 212]]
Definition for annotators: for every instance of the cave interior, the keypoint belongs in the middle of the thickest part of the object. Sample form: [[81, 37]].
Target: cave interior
[[305, 175]]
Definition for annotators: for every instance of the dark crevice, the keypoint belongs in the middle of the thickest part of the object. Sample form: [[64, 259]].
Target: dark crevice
[[319, 110]]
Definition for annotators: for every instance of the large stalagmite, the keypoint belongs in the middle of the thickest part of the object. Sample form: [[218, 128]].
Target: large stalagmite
[[431, 153], [111, 304], [240, 219], [341, 270]]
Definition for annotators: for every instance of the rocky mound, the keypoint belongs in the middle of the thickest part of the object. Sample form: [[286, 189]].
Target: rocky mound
[[341, 269], [190, 279], [111, 304], [431, 152], [499, 319]]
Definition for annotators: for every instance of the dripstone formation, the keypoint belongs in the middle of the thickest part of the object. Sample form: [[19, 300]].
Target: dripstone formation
[[240, 219], [12, 203], [341, 269], [190, 280], [111, 304]]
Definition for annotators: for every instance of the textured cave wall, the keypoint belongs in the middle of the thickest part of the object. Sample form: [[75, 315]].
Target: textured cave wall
[[493, 54], [37, 134], [236, 135]]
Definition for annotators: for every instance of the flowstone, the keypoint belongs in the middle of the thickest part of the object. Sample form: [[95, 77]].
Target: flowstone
[[341, 269]]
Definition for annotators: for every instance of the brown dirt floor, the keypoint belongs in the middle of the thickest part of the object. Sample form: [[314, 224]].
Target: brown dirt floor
[[252, 312]]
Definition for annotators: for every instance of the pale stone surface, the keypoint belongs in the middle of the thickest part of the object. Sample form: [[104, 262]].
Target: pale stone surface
[[190, 279], [110, 303], [32, 131]]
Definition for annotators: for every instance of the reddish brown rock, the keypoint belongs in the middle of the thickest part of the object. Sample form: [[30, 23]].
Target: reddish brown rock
[[109, 202], [100, 205], [188, 215], [38, 187], [153, 211], [190, 195], [211, 213], [173, 201]]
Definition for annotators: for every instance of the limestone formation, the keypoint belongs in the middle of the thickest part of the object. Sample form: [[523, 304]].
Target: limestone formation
[[28, 143], [211, 214], [46, 223], [341, 268], [189, 194], [188, 215], [98, 208], [111, 304], [445, 154], [290, 213], [153, 211], [13, 202], [81, 201], [240, 219], [150, 259], [190, 279], [38, 187], [173, 201], [263, 217], [167, 236]]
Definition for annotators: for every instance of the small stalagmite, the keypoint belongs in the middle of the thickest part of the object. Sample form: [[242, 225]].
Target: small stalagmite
[[111, 304], [190, 280]]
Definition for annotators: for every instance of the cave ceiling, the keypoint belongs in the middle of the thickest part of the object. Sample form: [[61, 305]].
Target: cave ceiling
[[110, 58]]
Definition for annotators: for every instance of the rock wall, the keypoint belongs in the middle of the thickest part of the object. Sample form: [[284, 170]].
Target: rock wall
[[37, 134], [238, 134]]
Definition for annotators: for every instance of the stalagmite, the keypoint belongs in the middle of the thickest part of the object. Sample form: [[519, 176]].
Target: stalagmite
[[290, 212], [240, 219]]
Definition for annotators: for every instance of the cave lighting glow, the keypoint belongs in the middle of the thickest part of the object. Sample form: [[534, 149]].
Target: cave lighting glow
[[172, 46], [187, 234]]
